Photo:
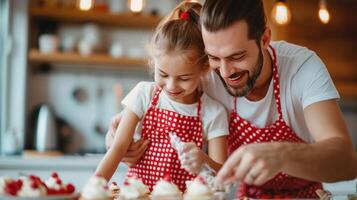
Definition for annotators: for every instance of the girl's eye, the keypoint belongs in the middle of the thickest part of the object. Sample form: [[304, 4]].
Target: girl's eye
[[163, 75], [184, 79]]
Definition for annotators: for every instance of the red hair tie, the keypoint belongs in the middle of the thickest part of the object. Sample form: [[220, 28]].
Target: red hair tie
[[185, 16]]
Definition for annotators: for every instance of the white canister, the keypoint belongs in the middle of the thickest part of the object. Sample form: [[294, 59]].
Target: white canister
[[116, 50], [85, 47], [48, 43]]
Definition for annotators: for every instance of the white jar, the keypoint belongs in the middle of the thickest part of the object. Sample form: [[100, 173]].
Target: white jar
[[48, 43], [116, 50]]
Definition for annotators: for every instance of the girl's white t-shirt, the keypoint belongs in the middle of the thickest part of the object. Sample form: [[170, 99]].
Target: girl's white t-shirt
[[304, 80], [213, 114]]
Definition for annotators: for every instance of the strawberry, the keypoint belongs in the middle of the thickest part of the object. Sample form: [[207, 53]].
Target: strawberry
[[18, 184], [58, 181], [34, 185], [126, 183], [70, 188], [54, 175]]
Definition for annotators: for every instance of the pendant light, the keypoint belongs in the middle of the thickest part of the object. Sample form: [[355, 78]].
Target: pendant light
[[324, 14], [281, 14], [85, 5], [136, 6]]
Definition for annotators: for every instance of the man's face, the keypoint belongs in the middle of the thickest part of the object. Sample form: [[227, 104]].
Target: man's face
[[237, 59]]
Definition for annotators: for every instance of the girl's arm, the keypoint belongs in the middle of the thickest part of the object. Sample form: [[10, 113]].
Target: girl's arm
[[192, 157], [122, 140], [217, 152]]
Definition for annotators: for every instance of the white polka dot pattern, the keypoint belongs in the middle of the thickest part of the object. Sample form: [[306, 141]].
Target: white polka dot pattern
[[160, 158], [243, 132]]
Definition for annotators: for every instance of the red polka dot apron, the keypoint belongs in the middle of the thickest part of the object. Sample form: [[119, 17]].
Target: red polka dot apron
[[243, 132], [161, 158]]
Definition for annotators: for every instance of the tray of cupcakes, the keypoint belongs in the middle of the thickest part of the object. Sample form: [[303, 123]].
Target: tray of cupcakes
[[33, 187], [134, 189]]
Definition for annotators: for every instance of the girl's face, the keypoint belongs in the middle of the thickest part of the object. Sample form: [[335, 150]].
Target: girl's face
[[179, 78]]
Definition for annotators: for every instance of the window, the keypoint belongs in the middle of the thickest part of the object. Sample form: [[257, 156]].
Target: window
[[4, 24]]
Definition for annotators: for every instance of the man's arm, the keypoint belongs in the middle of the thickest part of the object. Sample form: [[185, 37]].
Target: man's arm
[[331, 158]]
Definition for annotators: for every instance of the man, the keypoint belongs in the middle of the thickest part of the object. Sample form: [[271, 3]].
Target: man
[[287, 133]]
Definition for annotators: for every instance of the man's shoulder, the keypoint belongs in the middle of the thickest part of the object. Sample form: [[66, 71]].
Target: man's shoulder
[[286, 50], [291, 58]]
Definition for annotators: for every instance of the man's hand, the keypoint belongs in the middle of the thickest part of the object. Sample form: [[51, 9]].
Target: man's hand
[[191, 158], [254, 164], [136, 149]]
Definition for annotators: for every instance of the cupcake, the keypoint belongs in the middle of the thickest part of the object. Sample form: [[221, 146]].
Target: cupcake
[[134, 189], [114, 189], [198, 190], [31, 186], [165, 189], [3, 182], [96, 189], [56, 186]]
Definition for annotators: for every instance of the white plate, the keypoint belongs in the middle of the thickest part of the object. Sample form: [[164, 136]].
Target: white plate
[[51, 197]]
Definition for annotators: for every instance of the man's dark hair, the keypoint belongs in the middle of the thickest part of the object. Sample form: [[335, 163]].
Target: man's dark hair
[[220, 14]]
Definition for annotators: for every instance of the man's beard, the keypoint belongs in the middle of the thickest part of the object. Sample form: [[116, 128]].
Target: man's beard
[[243, 91]]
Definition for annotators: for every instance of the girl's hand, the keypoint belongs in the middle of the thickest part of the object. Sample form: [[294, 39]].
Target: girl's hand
[[191, 158]]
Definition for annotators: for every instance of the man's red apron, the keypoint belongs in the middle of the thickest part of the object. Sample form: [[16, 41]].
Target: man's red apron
[[161, 158], [243, 132]]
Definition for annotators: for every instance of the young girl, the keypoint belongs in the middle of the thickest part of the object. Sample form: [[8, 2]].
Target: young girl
[[173, 103]]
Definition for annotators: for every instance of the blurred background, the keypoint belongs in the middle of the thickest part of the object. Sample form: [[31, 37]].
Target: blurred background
[[65, 65]]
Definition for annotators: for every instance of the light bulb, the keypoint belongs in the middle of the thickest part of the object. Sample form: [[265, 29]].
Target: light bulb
[[136, 6], [281, 13], [324, 15], [85, 4]]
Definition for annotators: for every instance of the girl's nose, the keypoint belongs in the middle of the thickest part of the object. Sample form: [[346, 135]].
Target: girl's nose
[[170, 84]]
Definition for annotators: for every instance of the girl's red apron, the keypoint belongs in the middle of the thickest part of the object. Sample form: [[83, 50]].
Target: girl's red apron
[[160, 158], [243, 132]]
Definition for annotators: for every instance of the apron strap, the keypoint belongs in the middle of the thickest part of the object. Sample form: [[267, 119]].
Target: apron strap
[[199, 106], [155, 99], [276, 83]]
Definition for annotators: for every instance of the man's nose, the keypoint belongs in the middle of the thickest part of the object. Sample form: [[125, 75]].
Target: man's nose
[[225, 69]]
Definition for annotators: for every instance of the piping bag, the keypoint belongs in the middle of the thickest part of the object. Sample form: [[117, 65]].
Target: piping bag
[[205, 172]]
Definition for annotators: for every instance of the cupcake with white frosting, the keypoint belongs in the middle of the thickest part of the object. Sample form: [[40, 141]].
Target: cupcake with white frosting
[[134, 189], [165, 189], [3, 182], [32, 187], [198, 189], [96, 189]]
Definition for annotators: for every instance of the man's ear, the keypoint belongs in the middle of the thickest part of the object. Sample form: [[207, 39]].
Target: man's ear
[[266, 38]]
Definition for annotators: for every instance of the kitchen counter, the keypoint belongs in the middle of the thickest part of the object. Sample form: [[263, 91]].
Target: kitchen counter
[[74, 169], [77, 169]]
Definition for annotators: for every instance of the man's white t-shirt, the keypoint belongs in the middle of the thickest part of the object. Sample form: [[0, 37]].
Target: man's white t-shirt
[[213, 114], [304, 80]]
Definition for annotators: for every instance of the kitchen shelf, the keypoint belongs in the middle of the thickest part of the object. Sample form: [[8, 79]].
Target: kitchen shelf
[[128, 20], [74, 58]]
